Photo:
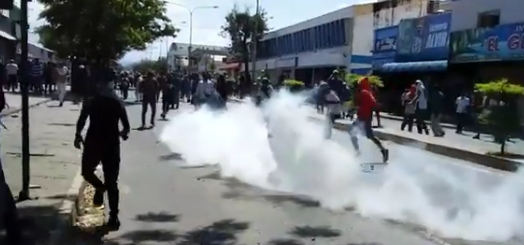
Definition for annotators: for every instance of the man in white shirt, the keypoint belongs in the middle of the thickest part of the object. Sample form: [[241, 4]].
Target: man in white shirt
[[462, 103], [12, 75], [60, 77]]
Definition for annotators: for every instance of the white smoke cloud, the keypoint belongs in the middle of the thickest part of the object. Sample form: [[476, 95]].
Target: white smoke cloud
[[297, 159]]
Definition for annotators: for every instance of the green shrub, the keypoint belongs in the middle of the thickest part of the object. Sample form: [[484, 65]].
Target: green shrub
[[294, 85], [501, 118], [352, 80]]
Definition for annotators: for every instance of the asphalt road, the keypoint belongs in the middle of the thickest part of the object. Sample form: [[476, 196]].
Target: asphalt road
[[165, 204]]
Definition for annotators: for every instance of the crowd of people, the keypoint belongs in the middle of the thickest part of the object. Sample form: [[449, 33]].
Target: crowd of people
[[44, 78]]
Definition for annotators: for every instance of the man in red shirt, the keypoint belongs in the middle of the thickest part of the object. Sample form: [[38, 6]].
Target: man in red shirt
[[366, 105]]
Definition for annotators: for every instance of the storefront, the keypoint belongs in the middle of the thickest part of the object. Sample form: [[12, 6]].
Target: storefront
[[422, 48], [486, 54], [421, 52]]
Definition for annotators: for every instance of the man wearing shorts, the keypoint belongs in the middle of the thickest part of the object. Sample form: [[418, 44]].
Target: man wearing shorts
[[366, 103]]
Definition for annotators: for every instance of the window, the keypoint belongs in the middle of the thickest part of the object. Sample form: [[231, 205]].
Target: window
[[325, 34], [344, 36], [488, 19], [322, 37], [334, 34], [316, 37]]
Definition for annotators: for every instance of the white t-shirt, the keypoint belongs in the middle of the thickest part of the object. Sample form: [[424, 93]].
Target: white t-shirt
[[422, 99], [11, 68], [462, 103]]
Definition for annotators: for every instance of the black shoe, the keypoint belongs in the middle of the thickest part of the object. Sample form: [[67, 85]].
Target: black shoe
[[61, 104], [113, 223], [385, 155], [477, 137], [98, 199]]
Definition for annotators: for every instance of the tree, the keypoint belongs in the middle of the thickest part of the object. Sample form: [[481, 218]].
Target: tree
[[102, 30], [501, 116], [352, 80], [143, 66], [243, 27]]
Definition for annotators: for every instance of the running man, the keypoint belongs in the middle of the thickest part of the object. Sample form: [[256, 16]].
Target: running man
[[366, 103]]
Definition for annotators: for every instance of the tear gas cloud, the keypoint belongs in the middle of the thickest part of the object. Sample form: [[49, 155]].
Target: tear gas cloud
[[297, 159]]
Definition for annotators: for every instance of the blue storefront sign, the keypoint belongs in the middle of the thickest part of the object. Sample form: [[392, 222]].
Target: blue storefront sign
[[424, 39], [500, 43], [384, 48]]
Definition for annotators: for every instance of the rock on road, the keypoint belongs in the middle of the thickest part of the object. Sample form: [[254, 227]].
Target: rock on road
[[165, 204]]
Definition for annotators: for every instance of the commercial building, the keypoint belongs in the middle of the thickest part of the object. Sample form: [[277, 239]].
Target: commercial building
[[487, 40], [310, 50], [10, 35], [178, 56]]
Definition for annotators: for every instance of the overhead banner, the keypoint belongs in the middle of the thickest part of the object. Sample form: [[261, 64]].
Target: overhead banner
[[501, 43], [385, 45], [424, 39]]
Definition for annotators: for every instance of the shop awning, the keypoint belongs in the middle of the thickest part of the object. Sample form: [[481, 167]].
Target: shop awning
[[419, 66], [7, 36]]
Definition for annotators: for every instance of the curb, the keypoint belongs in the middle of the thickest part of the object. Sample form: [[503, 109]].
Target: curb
[[9, 112], [494, 162], [68, 209], [477, 158]]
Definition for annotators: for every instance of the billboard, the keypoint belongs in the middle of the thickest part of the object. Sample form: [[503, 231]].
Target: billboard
[[500, 43], [384, 45], [425, 38]]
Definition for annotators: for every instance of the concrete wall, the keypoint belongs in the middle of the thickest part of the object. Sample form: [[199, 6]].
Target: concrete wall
[[465, 12], [366, 21]]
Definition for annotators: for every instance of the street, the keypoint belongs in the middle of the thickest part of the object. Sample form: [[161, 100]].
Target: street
[[165, 204]]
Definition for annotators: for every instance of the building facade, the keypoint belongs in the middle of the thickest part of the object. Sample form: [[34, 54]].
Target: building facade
[[10, 34], [307, 50], [486, 40], [379, 16], [178, 56]]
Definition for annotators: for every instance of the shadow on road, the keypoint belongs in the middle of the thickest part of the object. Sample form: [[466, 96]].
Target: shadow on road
[[170, 157], [223, 232], [285, 241], [157, 217], [36, 222], [315, 232]]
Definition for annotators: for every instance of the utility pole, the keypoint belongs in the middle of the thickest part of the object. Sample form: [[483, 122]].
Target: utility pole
[[254, 39], [190, 48], [24, 68]]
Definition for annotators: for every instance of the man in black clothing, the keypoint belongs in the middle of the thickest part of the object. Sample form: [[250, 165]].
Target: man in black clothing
[[102, 145], [149, 89]]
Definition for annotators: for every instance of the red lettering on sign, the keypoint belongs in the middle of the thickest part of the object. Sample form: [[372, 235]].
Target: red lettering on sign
[[514, 42], [492, 43]]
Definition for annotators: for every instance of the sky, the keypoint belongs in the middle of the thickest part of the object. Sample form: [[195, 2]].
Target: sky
[[207, 22]]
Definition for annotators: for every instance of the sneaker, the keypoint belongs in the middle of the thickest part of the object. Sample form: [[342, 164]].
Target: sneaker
[[385, 155], [98, 199], [113, 223]]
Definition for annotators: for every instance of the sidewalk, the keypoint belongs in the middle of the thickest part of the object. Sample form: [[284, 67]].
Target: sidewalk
[[452, 145], [54, 167], [14, 101], [460, 146]]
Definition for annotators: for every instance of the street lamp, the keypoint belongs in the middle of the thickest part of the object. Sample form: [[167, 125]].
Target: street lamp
[[190, 11]]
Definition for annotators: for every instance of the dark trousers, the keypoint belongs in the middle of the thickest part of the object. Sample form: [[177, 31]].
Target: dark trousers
[[167, 103], [407, 121], [12, 82], [148, 102], [462, 118], [109, 155]]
